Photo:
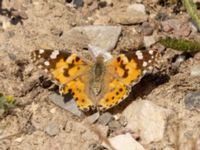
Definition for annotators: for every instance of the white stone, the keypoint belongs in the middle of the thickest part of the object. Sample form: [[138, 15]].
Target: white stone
[[125, 142], [137, 7], [19, 140], [147, 118], [195, 70], [149, 40]]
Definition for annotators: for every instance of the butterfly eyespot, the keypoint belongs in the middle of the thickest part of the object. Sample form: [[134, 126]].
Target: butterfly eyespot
[[120, 89], [118, 59], [77, 59]]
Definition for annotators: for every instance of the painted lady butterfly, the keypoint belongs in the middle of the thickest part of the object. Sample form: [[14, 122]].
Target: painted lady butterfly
[[95, 82]]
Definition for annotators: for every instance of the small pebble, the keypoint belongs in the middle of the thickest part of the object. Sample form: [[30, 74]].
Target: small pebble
[[114, 125], [105, 118], [195, 70], [52, 129], [53, 110], [149, 40], [137, 7], [192, 100], [19, 140], [93, 118], [147, 29]]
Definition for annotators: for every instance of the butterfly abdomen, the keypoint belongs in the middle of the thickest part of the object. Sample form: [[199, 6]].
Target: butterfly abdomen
[[97, 78]]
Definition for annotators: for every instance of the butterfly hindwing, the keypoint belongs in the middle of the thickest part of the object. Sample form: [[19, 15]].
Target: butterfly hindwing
[[77, 88], [115, 93]]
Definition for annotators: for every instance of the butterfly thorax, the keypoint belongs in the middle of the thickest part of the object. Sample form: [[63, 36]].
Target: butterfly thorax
[[97, 76]]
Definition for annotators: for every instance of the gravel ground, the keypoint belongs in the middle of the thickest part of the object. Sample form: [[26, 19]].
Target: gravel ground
[[162, 111]]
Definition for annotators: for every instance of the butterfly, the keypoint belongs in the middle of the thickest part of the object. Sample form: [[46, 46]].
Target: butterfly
[[95, 82]]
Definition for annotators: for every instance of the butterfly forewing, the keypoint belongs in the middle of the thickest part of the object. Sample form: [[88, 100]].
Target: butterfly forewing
[[131, 66]]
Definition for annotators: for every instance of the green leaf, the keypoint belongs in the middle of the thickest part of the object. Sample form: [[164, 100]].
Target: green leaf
[[180, 44]]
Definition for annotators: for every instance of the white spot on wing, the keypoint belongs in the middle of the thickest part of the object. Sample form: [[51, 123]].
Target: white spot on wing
[[150, 67], [41, 51], [144, 72], [54, 54], [151, 52], [46, 63], [139, 55], [144, 64]]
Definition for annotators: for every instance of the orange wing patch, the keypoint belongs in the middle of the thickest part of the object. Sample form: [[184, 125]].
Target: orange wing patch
[[63, 66], [77, 88], [129, 67], [116, 92], [125, 69]]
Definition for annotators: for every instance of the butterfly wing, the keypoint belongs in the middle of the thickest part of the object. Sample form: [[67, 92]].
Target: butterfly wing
[[115, 92], [124, 71], [67, 70]]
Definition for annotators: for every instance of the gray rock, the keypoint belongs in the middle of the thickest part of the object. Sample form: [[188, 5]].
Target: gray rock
[[92, 118], [69, 105], [195, 70], [192, 100], [148, 118], [127, 17], [52, 129], [105, 118], [104, 37], [125, 142], [108, 2], [114, 125], [147, 29]]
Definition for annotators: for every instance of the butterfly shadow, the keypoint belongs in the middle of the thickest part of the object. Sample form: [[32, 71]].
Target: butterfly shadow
[[148, 83]]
